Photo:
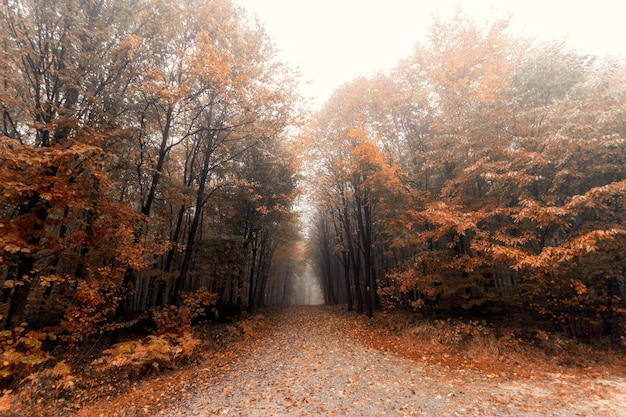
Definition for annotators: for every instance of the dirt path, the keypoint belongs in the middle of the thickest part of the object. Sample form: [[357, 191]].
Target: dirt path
[[306, 364]]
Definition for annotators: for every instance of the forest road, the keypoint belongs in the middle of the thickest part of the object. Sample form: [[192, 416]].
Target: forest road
[[308, 364]]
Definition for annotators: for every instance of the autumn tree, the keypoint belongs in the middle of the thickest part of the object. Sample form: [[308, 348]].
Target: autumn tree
[[357, 184], [510, 157], [62, 62], [126, 131], [503, 183]]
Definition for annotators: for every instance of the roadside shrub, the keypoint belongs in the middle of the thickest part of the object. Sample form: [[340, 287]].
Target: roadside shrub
[[137, 358], [20, 352]]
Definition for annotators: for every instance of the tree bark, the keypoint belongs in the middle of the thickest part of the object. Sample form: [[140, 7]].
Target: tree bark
[[26, 261]]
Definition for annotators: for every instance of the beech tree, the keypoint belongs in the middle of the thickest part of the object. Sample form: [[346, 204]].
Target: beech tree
[[61, 62], [508, 169], [356, 184], [126, 129]]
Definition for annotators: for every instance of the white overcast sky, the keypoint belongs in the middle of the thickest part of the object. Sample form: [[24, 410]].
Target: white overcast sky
[[334, 41]]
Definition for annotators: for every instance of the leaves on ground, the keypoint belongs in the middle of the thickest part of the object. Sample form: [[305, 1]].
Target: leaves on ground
[[325, 361]]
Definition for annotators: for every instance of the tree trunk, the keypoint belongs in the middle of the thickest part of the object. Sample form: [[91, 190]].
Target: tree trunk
[[346, 276], [170, 254], [181, 282], [26, 261], [156, 175], [19, 301], [197, 216]]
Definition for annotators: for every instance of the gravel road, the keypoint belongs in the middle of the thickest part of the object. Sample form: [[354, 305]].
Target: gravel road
[[307, 364]]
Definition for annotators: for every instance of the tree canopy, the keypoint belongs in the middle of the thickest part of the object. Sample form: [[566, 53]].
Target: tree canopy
[[487, 177], [144, 160], [152, 152]]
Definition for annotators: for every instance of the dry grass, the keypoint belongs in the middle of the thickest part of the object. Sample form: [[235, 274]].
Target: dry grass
[[477, 345]]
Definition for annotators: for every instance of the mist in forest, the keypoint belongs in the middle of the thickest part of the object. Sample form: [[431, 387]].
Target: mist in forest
[[305, 289]]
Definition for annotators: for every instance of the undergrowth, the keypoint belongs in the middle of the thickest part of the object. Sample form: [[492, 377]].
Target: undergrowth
[[20, 352], [486, 347], [84, 376], [136, 358]]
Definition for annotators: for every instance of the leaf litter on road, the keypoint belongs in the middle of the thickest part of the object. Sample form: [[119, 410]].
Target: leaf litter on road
[[311, 361], [323, 361]]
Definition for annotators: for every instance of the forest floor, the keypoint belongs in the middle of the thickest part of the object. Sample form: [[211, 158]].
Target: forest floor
[[322, 361]]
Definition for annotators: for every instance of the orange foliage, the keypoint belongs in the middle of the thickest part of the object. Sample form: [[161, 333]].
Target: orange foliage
[[500, 182]]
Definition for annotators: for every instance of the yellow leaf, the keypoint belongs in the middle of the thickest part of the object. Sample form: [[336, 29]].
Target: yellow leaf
[[11, 248]]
